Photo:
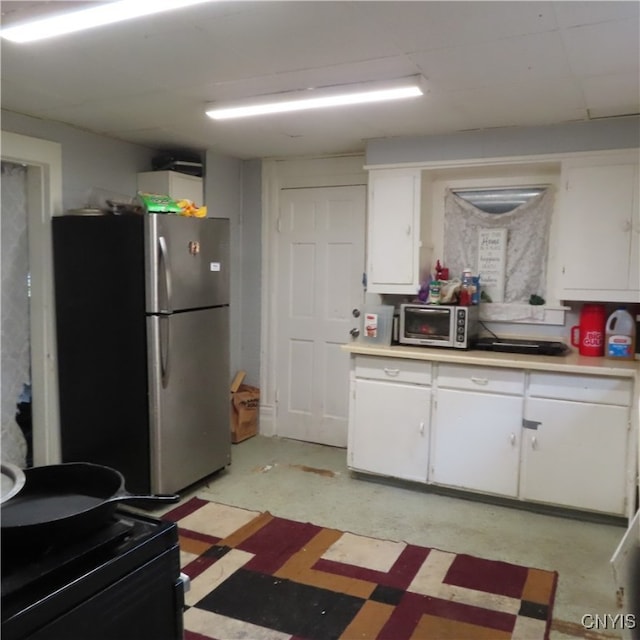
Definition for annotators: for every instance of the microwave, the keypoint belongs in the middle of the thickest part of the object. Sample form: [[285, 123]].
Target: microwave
[[438, 325]]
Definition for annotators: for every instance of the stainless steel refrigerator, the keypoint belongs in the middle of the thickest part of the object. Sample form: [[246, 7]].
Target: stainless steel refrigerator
[[142, 323]]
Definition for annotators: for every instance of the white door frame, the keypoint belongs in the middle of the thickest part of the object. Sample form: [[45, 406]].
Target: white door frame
[[44, 200], [277, 175]]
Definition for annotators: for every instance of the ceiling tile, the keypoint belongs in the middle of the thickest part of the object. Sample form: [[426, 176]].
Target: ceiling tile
[[618, 93], [495, 63], [603, 48], [521, 103], [290, 36], [487, 64], [575, 13], [423, 26], [387, 68]]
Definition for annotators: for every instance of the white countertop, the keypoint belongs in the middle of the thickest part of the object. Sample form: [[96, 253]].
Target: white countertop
[[571, 363]]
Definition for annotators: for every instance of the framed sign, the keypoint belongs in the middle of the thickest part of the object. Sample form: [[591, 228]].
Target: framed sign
[[492, 261]]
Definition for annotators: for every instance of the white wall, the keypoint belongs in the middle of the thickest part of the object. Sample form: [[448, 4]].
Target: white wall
[[88, 160], [251, 242], [233, 189], [597, 135]]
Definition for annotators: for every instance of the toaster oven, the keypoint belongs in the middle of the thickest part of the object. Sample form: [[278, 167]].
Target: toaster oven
[[452, 326]]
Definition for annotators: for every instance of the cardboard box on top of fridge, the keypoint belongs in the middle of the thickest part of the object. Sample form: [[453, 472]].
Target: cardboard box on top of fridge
[[245, 408]]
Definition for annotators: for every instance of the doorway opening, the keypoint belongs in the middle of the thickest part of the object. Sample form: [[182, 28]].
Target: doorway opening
[[17, 441], [41, 194]]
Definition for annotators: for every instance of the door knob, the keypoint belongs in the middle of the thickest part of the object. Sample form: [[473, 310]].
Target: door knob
[[356, 313], [354, 332]]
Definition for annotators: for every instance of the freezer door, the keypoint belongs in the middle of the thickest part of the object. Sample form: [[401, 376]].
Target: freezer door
[[187, 262], [189, 399]]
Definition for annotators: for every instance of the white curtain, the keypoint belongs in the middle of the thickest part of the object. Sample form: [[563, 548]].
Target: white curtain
[[15, 308], [527, 241]]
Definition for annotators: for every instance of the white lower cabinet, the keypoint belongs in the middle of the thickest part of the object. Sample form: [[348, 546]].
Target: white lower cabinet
[[554, 438], [560, 439], [574, 455], [389, 429], [476, 441], [576, 441]]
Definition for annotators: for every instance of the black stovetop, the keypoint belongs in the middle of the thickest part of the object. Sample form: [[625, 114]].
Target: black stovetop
[[40, 580], [518, 345]]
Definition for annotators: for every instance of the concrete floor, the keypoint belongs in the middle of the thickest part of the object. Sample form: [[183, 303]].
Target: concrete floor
[[309, 482]]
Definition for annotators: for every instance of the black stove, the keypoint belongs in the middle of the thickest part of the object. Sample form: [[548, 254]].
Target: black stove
[[122, 581]]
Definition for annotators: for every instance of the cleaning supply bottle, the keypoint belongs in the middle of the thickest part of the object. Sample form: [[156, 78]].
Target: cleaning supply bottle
[[620, 335]]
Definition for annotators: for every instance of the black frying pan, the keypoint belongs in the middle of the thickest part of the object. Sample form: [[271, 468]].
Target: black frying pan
[[66, 500]]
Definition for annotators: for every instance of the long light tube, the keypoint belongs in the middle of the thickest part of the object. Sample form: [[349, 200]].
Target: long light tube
[[316, 99], [108, 13]]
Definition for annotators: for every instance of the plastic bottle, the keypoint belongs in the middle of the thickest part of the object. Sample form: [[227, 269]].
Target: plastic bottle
[[620, 335], [466, 289], [434, 292]]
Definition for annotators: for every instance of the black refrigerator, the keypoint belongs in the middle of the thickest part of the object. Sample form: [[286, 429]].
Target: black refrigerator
[[142, 324]]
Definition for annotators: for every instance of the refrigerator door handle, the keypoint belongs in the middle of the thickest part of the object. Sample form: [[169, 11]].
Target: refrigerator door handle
[[165, 341], [166, 270]]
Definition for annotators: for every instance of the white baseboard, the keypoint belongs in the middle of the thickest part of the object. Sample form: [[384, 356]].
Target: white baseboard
[[267, 420]]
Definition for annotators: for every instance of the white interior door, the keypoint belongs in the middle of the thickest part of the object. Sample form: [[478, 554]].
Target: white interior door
[[320, 266]]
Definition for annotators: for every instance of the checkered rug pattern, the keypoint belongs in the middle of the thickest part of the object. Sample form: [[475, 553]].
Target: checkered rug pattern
[[256, 576]]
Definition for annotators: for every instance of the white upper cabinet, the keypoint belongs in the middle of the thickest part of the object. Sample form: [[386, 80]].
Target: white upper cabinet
[[393, 247], [176, 185], [599, 228], [595, 244]]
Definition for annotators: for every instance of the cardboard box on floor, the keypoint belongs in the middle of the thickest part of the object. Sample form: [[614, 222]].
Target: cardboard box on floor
[[245, 407]]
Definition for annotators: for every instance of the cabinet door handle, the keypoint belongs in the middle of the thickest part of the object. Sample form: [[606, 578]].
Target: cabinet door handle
[[422, 427], [408, 229], [534, 443], [391, 372], [482, 381], [512, 439]]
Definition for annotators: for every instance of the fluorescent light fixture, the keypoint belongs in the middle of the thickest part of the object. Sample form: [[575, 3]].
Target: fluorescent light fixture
[[319, 98], [108, 13]]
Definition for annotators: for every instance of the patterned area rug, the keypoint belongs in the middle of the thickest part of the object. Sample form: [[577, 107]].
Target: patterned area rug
[[256, 576]]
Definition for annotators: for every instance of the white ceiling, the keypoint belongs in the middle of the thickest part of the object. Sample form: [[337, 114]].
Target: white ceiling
[[487, 64]]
